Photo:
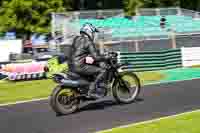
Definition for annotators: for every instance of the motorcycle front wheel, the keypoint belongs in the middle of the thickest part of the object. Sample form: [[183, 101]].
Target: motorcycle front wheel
[[127, 88], [63, 101]]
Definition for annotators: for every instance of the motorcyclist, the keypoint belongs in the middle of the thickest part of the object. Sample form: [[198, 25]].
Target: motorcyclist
[[83, 48]]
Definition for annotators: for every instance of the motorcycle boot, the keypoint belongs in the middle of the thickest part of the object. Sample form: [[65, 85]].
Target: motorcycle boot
[[92, 91]]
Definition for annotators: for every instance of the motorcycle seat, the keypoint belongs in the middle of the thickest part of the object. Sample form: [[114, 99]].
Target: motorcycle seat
[[73, 75], [76, 76]]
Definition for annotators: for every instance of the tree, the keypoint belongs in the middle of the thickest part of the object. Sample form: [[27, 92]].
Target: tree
[[130, 6], [28, 16], [161, 3], [190, 4], [69, 4]]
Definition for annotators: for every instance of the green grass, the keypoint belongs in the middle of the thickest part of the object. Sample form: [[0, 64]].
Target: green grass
[[150, 77], [11, 91], [195, 66], [25, 90], [187, 123]]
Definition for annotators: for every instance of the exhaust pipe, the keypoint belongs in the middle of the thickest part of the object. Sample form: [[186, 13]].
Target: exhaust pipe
[[70, 83]]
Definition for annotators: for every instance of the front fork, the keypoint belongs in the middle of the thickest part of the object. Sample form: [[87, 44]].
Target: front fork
[[122, 83]]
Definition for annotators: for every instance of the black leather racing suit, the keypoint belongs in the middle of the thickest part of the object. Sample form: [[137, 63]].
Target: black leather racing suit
[[81, 48]]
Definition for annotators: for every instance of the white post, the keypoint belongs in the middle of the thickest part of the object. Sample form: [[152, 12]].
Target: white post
[[76, 14], [173, 36], [179, 11], [65, 29], [53, 24], [157, 11], [137, 12], [99, 14], [196, 16], [101, 47], [137, 46]]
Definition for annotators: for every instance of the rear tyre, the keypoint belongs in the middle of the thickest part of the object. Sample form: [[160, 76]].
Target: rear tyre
[[132, 82], [63, 101]]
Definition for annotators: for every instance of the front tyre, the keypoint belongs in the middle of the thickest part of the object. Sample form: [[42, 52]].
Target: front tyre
[[126, 88], [63, 101]]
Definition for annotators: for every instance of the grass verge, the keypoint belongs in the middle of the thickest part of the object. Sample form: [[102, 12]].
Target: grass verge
[[25, 90], [150, 77], [186, 123], [195, 66]]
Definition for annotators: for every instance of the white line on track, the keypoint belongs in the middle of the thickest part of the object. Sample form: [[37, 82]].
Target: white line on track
[[20, 102]]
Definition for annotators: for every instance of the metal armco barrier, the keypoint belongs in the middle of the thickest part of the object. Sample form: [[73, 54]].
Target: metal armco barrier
[[26, 76], [154, 60]]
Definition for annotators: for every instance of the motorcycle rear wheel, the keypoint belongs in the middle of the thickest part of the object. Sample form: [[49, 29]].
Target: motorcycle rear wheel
[[63, 101]]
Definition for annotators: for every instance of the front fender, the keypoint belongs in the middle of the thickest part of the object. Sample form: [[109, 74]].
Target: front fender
[[119, 67]]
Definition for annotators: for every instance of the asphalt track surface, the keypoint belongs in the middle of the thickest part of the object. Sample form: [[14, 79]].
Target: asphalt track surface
[[155, 101]]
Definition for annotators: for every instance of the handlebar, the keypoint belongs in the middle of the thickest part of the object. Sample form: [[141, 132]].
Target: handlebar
[[111, 54], [112, 58]]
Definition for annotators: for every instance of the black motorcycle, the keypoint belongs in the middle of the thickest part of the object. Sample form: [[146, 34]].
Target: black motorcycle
[[72, 89]]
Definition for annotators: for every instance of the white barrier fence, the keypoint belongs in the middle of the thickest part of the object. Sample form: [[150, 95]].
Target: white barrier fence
[[190, 56], [9, 46]]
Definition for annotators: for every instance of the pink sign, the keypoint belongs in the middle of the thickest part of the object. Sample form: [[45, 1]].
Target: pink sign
[[24, 68]]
